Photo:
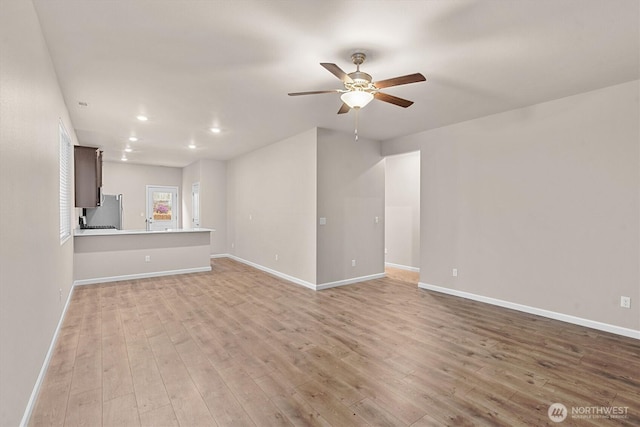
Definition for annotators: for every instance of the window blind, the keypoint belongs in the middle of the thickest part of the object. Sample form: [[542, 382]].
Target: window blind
[[65, 184]]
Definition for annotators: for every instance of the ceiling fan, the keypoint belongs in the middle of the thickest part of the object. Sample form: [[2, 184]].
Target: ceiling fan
[[359, 90]]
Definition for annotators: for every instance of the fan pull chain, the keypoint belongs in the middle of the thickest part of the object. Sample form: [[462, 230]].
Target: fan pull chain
[[356, 131]]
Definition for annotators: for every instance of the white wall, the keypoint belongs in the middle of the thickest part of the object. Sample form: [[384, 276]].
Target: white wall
[[131, 181], [350, 196], [271, 202], [537, 206], [212, 176], [34, 266], [402, 210]]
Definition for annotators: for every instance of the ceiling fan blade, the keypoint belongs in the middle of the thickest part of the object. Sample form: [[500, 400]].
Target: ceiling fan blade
[[337, 71], [403, 80], [393, 99], [314, 92], [344, 109]]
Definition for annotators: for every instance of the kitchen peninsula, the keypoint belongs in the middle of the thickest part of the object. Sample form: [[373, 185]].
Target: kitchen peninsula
[[113, 255]]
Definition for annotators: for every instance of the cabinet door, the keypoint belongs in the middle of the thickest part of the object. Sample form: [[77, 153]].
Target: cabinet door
[[86, 177], [98, 177], [99, 167]]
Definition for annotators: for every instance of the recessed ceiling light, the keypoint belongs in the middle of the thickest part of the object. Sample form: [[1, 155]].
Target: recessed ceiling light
[[142, 118], [128, 150], [133, 139], [192, 146], [215, 130], [123, 158]]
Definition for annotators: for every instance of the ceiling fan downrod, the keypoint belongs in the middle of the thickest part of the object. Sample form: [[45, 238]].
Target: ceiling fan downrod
[[358, 59]]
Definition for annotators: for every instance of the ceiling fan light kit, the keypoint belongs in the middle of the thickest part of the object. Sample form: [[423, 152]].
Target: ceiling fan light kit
[[356, 98]]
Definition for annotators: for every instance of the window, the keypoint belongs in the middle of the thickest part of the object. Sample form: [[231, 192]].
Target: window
[[65, 184]]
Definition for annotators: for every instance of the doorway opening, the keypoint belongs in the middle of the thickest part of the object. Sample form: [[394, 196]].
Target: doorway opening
[[402, 217], [195, 205]]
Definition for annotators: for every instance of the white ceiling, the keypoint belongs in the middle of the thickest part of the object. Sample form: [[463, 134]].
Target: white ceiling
[[190, 65]]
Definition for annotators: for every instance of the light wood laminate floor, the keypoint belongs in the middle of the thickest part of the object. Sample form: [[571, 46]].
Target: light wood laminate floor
[[238, 347], [402, 275]]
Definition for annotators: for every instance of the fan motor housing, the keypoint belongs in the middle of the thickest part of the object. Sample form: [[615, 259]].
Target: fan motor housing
[[360, 81], [360, 77]]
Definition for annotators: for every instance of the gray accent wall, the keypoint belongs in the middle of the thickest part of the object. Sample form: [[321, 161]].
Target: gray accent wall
[[537, 206], [36, 270], [350, 197]]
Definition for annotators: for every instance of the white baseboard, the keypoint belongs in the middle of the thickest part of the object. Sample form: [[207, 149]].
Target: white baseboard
[[45, 365], [402, 267], [303, 282], [349, 281], [274, 272], [213, 256], [631, 333], [140, 276]]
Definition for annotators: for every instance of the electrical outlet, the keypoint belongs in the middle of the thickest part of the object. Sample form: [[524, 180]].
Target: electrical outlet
[[454, 272], [625, 302], [353, 263], [147, 258]]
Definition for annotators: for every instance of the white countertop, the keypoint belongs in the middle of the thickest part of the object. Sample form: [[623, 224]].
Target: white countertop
[[111, 232]]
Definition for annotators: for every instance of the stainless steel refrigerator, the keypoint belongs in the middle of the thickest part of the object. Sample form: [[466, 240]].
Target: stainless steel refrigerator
[[107, 215]]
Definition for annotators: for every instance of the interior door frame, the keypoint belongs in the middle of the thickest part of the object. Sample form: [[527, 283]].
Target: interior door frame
[[175, 210], [195, 205]]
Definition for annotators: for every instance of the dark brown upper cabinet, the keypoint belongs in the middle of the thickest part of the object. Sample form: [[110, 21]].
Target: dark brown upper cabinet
[[88, 176]]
